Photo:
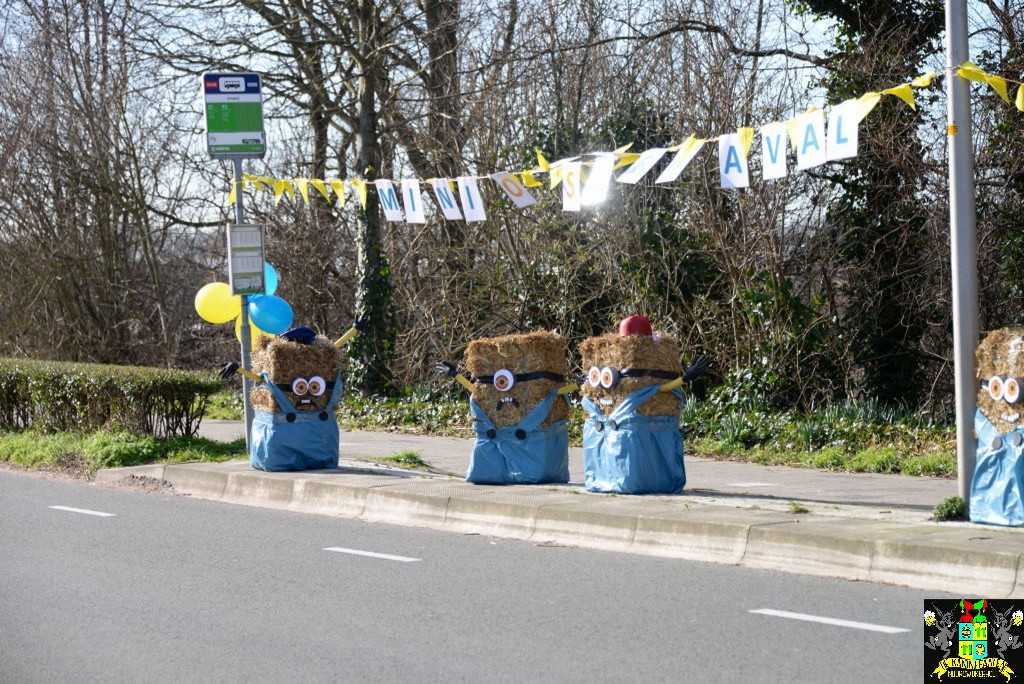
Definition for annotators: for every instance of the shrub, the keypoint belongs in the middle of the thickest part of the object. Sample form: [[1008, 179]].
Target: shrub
[[54, 396]]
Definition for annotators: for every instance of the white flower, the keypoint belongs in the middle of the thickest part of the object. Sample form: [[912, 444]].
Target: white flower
[[929, 618]]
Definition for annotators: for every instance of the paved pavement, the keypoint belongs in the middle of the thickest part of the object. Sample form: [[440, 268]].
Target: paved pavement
[[855, 526]]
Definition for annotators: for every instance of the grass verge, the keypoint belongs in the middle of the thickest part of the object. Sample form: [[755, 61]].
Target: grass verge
[[82, 454]]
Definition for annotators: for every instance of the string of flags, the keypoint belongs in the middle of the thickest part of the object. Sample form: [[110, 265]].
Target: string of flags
[[816, 137]]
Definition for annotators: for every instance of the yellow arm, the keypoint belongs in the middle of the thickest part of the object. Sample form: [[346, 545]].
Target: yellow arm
[[566, 389], [671, 385], [346, 338], [249, 374], [464, 381]]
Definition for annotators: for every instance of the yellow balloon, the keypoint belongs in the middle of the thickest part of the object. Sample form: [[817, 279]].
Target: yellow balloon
[[254, 332], [216, 304]]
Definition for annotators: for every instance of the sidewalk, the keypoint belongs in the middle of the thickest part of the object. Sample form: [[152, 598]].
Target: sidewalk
[[856, 526]]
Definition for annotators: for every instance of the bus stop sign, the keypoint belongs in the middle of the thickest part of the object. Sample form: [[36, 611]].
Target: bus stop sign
[[234, 115]]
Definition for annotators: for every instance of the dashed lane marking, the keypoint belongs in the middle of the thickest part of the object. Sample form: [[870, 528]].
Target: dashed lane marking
[[371, 554], [85, 511], [829, 621]]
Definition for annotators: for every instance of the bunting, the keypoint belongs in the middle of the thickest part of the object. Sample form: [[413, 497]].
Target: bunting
[[815, 137]]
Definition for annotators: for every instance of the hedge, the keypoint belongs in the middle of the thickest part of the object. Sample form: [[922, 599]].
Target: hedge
[[57, 396]]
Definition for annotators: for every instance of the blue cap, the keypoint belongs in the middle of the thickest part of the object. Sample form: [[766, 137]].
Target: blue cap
[[302, 335]]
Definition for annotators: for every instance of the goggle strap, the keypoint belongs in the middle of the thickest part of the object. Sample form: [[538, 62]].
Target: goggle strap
[[523, 377], [647, 372]]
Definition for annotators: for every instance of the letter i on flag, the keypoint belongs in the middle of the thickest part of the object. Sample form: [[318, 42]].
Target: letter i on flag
[[472, 203], [413, 201], [446, 199], [389, 200]]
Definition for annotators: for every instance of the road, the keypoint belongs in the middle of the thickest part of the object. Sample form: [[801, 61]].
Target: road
[[116, 585]]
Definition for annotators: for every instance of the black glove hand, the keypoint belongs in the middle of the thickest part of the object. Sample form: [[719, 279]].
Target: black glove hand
[[361, 323], [227, 370], [445, 368], [696, 368]]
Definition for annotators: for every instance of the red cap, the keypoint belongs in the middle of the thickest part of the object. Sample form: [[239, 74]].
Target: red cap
[[635, 325]]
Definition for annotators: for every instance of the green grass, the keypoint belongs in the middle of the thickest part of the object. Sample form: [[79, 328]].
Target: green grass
[[85, 453], [407, 459]]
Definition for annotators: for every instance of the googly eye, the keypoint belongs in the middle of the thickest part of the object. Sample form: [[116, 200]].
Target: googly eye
[[300, 386], [609, 377], [317, 385], [995, 387], [504, 380], [1011, 390], [594, 376]]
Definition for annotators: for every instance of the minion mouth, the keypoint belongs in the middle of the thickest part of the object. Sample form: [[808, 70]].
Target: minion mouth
[[604, 401], [1009, 417], [305, 402], [506, 400]]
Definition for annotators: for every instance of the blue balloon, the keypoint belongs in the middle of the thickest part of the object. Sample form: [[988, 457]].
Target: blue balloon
[[269, 279], [271, 314]]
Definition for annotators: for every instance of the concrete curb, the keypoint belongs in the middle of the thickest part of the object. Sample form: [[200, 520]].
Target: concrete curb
[[926, 555]]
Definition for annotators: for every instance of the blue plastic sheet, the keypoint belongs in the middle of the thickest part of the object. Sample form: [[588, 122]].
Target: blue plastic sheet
[[520, 454], [996, 492], [630, 453], [309, 441]]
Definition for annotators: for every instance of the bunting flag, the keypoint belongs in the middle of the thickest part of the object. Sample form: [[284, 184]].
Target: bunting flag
[[815, 137]]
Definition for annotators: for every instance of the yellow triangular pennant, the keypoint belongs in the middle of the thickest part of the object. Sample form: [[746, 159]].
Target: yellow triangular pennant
[[1020, 98], [903, 92], [529, 181], [623, 149], [321, 187], [360, 185], [338, 186], [556, 176], [231, 195], [303, 185], [866, 103], [924, 80], [541, 161], [746, 137], [625, 160], [282, 186]]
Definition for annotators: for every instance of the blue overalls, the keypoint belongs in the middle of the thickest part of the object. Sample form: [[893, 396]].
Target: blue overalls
[[291, 439], [519, 454], [996, 492], [630, 453]]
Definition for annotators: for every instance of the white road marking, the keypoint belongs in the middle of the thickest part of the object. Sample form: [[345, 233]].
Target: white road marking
[[371, 554], [99, 514], [749, 484], [829, 621]]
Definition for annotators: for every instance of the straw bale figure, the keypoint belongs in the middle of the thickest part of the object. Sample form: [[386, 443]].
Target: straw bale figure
[[997, 488]]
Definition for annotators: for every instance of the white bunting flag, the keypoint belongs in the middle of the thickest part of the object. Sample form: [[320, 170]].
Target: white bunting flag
[[389, 200], [773, 151], [732, 162], [446, 199], [571, 184], [596, 189], [515, 191], [642, 165], [842, 130], [810, 140], [413, 201], [687, 151], [472, 203]]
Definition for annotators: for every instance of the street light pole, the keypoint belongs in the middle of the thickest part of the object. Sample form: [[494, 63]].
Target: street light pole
[[963, 242]]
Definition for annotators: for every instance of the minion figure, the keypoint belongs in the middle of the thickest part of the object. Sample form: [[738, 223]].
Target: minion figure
[[298, 384], [632, 397], [997, 496], [516, 397]]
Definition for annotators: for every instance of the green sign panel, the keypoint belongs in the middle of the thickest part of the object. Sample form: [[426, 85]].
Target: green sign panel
[[234, 115]]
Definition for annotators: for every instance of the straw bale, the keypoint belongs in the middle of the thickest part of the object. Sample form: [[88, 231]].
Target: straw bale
[[632, 351], [283, 361], [1001, 353], [536, 351]]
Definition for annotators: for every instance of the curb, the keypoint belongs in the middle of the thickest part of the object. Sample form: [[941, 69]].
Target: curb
[[955, 557]]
